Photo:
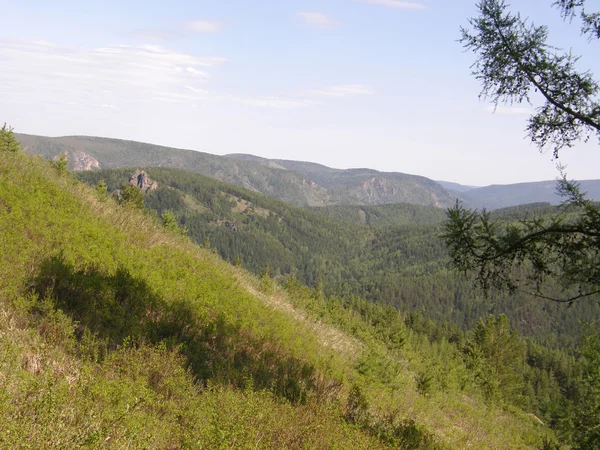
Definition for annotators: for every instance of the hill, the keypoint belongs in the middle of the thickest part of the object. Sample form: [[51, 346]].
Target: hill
[[403, 264], [363, 186], [286, 180], [502, 196], [120, 333], [456, 187]]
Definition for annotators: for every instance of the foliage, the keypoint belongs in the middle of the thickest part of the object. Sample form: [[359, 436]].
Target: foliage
[[117, 331], [531, 253], [170, 223], [496, 355], [581, 418], [102, 190], [131, 196], [515, 59], [8, 141], [61, 164], [384, 215]]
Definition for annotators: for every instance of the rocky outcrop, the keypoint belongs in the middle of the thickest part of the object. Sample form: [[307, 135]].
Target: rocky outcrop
[[82, 161], [79, 161], [142, 181]]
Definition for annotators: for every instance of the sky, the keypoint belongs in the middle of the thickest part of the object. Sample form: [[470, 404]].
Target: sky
[[382, 84]]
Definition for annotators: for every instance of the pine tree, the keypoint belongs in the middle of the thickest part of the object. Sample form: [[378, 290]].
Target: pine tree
[[8, 141]]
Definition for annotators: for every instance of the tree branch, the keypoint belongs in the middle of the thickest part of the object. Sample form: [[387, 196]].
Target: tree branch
[[579, 116]]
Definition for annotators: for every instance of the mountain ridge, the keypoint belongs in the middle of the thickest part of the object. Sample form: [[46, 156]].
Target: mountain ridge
[[300, 183], [280, 179]]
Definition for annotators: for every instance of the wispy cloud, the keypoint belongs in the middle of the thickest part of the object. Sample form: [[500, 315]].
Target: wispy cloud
[[122, 78], [205, 26], [318, 20], [397, 4], [509, 110], [109, 77], [343, 90]]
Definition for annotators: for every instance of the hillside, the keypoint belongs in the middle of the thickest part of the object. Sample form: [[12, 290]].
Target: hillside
[[384, 215], [286, 180], [399, 260], [120, 333], [363, 186]]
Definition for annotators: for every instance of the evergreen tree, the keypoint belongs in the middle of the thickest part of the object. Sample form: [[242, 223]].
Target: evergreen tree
[[496, 356], [102, 190], [8, 141], [131, 196]]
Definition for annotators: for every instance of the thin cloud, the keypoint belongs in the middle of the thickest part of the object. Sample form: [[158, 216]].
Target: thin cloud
[[318, 20], [397, 4], [120, 77], [111, 77], [205, 26], [509, 110], [343, 90]]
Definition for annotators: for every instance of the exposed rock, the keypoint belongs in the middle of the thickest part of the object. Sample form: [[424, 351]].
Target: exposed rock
[[79, 161], [82, 161], [142, 181]]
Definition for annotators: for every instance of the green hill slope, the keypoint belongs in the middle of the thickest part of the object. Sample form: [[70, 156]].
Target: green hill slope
[[405, 266], [117, 333]]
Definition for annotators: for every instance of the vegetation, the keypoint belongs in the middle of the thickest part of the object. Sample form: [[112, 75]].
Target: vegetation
[[560, 250], [384, 215], [118, 332], [514, 59], [401, 266]]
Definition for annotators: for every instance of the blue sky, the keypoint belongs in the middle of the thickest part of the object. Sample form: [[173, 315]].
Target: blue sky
[[347, 83]]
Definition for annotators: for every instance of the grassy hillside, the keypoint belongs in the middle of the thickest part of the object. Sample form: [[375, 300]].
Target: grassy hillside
[[281, 181], [117, 333], [405, 266]]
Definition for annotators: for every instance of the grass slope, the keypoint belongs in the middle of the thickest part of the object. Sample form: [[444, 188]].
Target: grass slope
[[119, 334]]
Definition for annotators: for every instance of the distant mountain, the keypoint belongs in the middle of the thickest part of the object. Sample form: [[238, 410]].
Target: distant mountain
[[456, 187], [298, 183], [502, 196], [363, 186]]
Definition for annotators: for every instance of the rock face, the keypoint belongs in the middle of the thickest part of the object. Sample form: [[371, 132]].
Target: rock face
[[82, 161], [140, 179]]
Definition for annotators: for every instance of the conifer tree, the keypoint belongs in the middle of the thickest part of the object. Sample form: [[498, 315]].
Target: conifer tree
[[8, 141]]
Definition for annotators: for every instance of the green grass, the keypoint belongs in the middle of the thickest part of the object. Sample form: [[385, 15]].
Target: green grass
[[117, 333]]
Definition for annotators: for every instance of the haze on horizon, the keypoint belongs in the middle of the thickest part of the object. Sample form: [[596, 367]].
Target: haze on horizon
[[382, 84]]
